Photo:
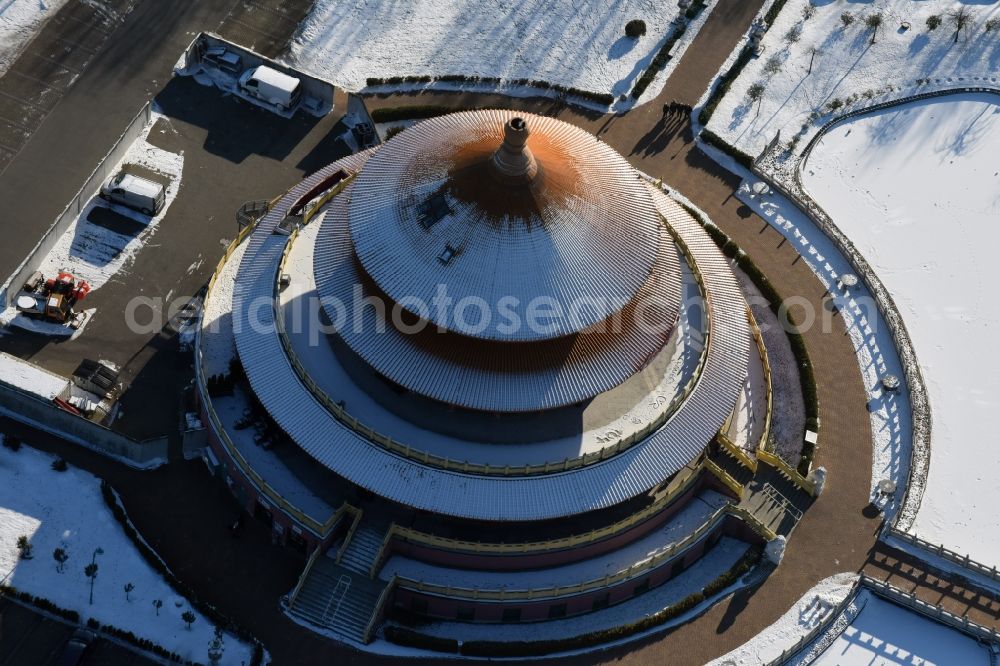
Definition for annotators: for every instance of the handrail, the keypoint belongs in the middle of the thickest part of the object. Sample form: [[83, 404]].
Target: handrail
[[621, 576], [366, 637], [724, 477], [754, 522], [737, 452], [350, 533], [959, 622], [820, 628], [758, 337], [465, 466], [305, 574], [939, 550], [497, 548], [787, 470], [318, 529]]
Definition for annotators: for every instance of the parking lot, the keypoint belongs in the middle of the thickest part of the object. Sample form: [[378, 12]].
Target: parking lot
[[43, 73], [27, 637], [233, 152]]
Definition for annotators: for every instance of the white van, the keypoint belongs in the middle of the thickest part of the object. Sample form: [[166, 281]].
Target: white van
[[135, 192], [271, 86]]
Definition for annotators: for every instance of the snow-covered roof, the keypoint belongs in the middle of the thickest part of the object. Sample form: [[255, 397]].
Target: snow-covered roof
[[431, 208], [637, 470], [31, 378], [489, 375]]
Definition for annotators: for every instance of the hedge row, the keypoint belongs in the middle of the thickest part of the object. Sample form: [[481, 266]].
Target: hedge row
[[606, 99], [390, 114], [713, 139], [659, 62], [741, 61], [73, 617], [206, 609], [807, 377], [537, 648]]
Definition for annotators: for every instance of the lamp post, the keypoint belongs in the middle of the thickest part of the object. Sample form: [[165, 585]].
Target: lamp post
[[91, 571]]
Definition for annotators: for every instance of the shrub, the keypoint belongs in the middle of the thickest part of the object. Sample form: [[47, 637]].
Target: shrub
[[393, 131], [834, 104], [694, 9], [713, 139], [847, 18], [773, 64], [60, 465], [635, 28], [933, 22], [794, 34], [992, 24], [808, 12], [772, 13], [660, 61], [12, 442], [725, 82]]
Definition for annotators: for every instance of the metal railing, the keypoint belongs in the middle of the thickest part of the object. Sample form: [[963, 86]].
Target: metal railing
[[724, 477], [304, 575], [633, 571], [383, 598], [534, 547], [350, 534], [321, 530], [787, 470], [758, 338]]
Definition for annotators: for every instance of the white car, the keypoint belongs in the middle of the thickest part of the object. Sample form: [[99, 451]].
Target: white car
[[139, 193]]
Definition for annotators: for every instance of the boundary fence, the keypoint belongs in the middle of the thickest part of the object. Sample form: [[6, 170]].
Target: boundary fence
[[76, 205]]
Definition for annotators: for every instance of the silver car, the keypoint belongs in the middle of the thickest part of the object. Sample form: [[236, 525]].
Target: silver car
[[139, 193]]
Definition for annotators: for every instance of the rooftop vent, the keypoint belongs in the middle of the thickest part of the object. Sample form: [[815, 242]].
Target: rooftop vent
[[513, 160]]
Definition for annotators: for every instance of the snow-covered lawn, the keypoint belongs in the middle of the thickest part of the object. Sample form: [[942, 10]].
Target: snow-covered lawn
[[916, 189], [20, 20], [96, 253], [846, 66], [566, 42], [889, 413], [66, 510], [812, 610], [884, 634]]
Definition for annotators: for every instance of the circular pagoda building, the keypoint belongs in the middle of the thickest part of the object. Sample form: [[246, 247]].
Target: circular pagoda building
[[480, 374]]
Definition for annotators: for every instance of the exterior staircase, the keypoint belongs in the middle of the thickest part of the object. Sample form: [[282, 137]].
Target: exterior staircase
[[338, 599], [363, 547], [732, 466]]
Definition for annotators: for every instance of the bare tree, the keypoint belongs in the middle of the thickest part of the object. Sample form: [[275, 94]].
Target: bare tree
[[157, 604], [960, 18], [128, 590], [60, 556], [874, 22], [188, 618], [755, 93], [773, 65], [847, 18]]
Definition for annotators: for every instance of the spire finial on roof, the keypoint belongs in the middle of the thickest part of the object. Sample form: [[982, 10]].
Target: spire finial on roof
[[514, 159]]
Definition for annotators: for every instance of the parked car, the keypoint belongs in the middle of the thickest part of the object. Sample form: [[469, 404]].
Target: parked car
[[135, 192], [76, 648], [271, 86]]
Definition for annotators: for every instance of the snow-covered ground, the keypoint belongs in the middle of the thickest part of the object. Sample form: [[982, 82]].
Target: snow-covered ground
[[66, 510], [884, 634], [889, 413], [20, 20], [31, 378], [217, 344], [812, 610], [848, 69], [565, 42], [694, 514], [917, 190], [96, 253], [788, 415]]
